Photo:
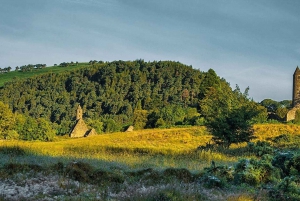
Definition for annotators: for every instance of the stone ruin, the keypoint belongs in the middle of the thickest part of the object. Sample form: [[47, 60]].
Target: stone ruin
[[130, 129], [80, 129], [296, 96]]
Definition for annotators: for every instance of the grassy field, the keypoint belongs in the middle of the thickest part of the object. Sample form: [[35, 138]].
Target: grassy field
[[157, 148], [137, 165], [6, 77]]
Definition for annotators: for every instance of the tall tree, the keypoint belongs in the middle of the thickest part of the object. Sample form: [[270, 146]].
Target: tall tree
[[230, 115], [6, 120]]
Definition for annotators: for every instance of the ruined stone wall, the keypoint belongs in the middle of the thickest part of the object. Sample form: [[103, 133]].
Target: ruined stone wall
[[291, 114], [80, 129]]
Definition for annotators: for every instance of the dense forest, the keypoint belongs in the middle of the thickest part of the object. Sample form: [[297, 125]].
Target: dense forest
[[117, 94]]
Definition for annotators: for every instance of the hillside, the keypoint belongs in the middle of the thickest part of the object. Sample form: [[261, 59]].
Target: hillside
[[113, 95], [19, 75]]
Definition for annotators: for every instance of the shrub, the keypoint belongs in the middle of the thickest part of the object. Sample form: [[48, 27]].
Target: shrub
[[283, 160], [59, 167], [101, 176], [79, 171], [287, 141], [288, 189], [255, 172], [217, 176], [111, 126], [148, 174], [181, 174], [282, 138], [12, 168], [211, 181], [223, 172], [296, 163], [260, 148]]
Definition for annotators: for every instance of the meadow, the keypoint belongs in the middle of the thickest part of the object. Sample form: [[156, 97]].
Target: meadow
[[147, 156]]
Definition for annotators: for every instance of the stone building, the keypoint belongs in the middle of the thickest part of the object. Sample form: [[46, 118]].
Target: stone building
[[80, 129], [296, 96]]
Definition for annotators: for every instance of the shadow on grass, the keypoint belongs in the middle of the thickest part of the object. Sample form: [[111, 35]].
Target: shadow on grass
[[14, 151]]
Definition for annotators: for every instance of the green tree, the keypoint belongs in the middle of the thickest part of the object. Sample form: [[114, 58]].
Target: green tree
[[37, 129], [218, 101], [140, 119], [281, 112], [230, 114], [96, 124], [211, 80], [235, 127], [270, 104], [160, 123], [44, 131], [111, 126], [6, 120]]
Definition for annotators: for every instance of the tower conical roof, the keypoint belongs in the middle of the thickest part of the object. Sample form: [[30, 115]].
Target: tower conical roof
[[297, 70]]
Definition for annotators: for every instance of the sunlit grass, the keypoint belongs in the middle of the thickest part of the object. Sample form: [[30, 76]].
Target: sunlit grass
[[266, 131], [156, 148]]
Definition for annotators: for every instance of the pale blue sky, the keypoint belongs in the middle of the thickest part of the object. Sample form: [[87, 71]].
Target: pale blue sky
[[253, 43]]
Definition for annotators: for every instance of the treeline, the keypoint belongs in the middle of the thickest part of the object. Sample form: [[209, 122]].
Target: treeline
[[5, 70], [117, 94], [18, 126], [277, 110], [30, 67]]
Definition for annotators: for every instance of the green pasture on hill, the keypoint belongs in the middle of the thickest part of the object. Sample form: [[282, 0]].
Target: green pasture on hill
[[7, 77]]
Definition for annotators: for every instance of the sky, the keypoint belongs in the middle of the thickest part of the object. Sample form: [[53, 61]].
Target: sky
[[253, 43]]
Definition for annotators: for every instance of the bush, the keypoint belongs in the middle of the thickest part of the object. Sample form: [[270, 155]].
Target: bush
[[217, 176], [12, 168], [260, 148], [111, 126], [148, 175], [296, 163], [59, 167], [288, 189], [283, 160], [79, 171], [211, 181], [181, 174], [255, 172], [36, 129], [282, 138], [287, 141], [223, 172], [101, 176]]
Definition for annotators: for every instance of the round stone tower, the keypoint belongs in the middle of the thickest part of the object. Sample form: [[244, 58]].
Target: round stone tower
[[296, 87]]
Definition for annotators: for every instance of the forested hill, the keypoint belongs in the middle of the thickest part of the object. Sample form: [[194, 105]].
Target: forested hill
[[116, 94]]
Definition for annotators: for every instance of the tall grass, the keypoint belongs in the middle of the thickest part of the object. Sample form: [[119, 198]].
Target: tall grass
[[155, 148]]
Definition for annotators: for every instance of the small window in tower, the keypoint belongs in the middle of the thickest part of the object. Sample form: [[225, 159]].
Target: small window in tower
[[298, 77]]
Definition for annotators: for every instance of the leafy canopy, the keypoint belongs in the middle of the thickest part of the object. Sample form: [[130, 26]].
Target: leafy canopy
[[230, 114]]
